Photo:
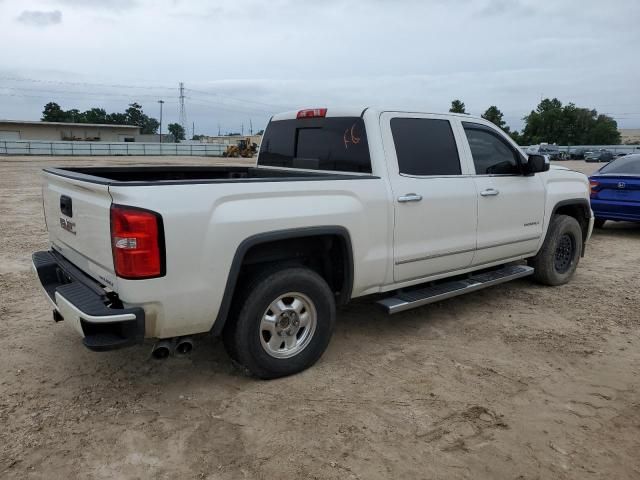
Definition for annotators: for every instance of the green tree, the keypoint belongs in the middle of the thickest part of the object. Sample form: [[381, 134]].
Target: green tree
[[568, 125], [117, 118], [53, 113], [177, 131], [75, 116], [96, 115], [494, 115], [132, 116], [135, 116], [605, 131], [151, 125], [457, 106], [515, 135]]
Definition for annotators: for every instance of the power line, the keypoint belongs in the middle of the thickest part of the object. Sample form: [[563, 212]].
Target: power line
[[77, 93], [237, 99], [229, 108], [48, 96], [88, 84], [146, 87]]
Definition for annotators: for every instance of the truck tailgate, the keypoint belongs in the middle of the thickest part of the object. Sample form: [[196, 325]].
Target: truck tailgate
[[78, 219]]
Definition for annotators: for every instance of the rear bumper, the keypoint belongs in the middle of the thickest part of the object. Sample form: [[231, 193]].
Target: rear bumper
[[86, 306]]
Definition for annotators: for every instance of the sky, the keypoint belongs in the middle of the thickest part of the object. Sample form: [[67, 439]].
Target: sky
[[243, 60]]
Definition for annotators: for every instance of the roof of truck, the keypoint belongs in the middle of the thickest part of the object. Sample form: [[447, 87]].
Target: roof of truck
[[357, 111]]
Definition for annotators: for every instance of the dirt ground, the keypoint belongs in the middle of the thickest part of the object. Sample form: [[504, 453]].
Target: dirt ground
[[518, 382]]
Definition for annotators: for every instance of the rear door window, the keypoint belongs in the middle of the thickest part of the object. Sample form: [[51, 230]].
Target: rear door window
[[333, 143], [425, 146]]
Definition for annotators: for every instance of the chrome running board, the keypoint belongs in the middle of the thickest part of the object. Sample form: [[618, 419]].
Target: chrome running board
[[405, 300]]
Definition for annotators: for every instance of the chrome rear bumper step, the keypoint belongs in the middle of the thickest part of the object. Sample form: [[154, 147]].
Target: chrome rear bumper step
[[405, 300]]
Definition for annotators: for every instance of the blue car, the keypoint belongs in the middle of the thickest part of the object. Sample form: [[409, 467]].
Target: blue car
[[615, 191]]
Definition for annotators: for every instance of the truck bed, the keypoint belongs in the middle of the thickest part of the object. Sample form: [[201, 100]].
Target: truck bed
[[145, 175]]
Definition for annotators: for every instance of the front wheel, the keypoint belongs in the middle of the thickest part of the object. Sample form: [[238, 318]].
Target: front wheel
[[283, 321], [557, 260]]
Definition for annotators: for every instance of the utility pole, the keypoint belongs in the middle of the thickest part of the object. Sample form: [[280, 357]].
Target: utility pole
[[242, 129], [218, 129], [161, 102], [193, 129], [250, 127], [183, 113]]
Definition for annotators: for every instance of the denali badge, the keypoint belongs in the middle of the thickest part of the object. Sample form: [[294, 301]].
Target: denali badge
[[68, 225]]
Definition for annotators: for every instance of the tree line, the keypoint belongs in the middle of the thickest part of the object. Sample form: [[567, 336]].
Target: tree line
[[134, 115], [553, 122], [550, 122]]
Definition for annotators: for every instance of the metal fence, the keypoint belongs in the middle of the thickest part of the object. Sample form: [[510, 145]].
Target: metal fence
[[26, 147]]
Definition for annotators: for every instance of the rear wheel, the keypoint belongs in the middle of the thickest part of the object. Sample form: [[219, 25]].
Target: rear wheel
[[557, 260], [283, 322], [599, 222]]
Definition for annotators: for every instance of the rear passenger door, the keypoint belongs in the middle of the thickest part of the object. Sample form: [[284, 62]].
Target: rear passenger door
[[510, 204], [435, 199]]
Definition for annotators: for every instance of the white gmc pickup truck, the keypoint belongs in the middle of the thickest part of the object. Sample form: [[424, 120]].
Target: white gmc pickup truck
[[342, 203]]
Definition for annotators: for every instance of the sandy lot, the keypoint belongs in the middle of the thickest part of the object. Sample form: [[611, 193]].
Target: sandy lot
[[518, 382]]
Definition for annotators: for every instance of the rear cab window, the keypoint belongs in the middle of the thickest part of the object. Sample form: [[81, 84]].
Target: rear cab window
[[425, 147], [327, 143]]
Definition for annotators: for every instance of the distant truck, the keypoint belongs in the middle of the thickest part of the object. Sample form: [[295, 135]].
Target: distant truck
[[343, 203]]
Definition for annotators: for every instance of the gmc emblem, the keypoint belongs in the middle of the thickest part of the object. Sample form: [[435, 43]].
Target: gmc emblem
[[622, 185], [68, 225]]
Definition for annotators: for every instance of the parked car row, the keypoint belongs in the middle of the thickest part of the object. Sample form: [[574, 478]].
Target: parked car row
[[553, 152]]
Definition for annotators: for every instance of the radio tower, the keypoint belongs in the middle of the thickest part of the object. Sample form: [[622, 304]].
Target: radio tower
[[183, 112]]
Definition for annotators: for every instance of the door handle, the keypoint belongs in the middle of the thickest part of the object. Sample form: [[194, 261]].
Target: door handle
[[409, 197], [490, 192]]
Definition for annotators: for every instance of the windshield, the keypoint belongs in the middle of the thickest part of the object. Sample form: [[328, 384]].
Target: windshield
[[627, 165], [334, 143]]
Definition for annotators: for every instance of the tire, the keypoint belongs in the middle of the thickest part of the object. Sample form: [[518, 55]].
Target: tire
[[557, 260], [291, 337], [598, 222]]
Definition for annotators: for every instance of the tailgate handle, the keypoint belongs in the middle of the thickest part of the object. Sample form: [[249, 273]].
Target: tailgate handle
[[66, 207]]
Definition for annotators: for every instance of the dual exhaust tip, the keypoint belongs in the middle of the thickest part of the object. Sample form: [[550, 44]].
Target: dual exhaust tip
[[179, 346]]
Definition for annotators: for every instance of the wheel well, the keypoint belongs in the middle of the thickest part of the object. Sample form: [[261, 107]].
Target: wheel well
[[325, 254], [328, 254], [580, 212]]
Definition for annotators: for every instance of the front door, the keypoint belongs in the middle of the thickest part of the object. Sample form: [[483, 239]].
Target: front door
[[510, 205], [435, 199]]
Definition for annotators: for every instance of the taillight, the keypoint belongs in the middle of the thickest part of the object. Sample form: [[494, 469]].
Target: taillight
[[137, 242], [595, 186], [312, 113]]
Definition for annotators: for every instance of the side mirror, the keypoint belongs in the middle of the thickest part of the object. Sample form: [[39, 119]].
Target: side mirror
[[536, 164]]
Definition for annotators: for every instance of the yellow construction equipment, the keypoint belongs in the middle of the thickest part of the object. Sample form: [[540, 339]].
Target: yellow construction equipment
[[245, 148]]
